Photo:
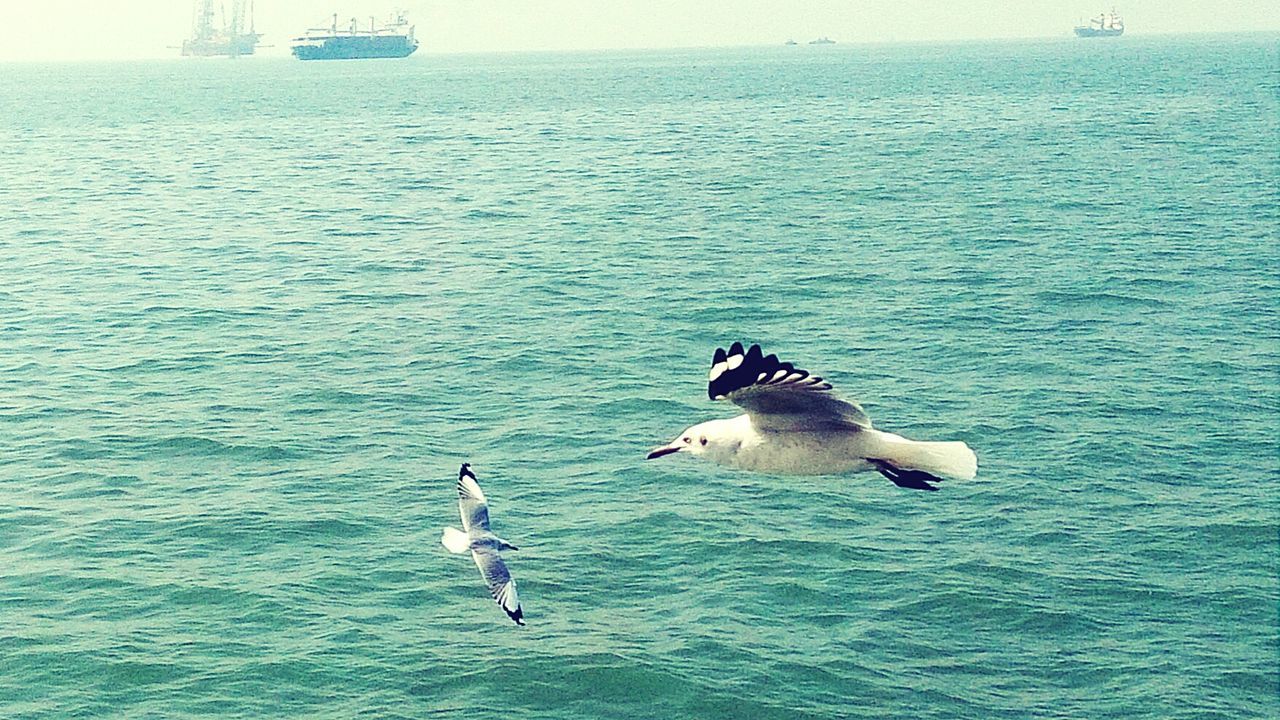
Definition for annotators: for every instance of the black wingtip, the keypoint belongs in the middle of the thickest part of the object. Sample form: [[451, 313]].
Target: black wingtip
[[465, 471], [913, 479], [725, 379], [738, 368], [517, 616]]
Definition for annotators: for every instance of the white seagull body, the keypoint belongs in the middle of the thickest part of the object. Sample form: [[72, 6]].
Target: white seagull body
[[483, 544], [795, 426]]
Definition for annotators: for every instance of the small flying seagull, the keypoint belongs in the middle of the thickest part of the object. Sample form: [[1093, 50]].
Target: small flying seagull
[[483, 544], [795, 426]]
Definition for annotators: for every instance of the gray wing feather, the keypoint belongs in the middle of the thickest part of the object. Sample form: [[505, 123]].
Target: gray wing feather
[[778, 407], [501, 586]]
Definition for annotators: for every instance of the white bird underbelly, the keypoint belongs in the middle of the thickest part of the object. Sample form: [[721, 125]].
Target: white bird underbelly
[[802, 453], [832, 452]]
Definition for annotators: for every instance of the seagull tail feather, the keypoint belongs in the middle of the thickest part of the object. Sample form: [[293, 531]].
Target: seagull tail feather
[[943, 459], [455, 540]]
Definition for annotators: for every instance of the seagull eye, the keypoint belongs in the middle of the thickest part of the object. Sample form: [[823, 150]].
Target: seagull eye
[[703, 439]]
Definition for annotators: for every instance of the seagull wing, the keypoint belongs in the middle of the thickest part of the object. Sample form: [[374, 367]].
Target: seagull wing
[[472, 505], [501, 586], [778, 395]]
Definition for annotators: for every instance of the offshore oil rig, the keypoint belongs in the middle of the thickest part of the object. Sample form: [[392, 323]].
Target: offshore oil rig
[[228, 37]]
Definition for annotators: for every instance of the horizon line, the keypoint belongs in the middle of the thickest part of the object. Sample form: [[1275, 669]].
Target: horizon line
[[654, 48]]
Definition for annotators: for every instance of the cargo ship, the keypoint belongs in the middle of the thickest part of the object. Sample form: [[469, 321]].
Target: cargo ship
[[230, 39], [1105, 25], [392, 40]]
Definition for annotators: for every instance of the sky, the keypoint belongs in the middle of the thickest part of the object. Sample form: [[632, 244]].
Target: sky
[[138, 29]]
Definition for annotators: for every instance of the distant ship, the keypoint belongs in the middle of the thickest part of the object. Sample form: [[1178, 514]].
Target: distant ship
[[389, 41], [824, 40], [1105, 25], [790, 42], [230, 39]]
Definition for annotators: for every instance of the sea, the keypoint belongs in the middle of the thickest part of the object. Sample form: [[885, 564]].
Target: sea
[[254, 314]]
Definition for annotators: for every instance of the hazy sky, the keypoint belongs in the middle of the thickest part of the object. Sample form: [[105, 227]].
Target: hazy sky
[[128, 29]]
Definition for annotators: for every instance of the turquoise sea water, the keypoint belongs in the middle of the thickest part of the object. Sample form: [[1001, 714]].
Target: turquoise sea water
[[254, 314]]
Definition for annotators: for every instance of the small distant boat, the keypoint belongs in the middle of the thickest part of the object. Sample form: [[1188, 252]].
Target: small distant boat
[[790, 42], [351, 43], [824, 40], [1105, 25]]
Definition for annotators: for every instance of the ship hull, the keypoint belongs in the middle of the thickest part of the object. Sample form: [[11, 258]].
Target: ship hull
[[356, 48], [1095, 32]]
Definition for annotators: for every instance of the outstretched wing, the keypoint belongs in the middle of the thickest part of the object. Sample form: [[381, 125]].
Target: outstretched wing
[[501, 586], [778, 395], [472, 505]]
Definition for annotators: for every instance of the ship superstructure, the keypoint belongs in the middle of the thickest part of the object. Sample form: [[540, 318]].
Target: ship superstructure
[[1105, 25], [393, 39], [221, 33]]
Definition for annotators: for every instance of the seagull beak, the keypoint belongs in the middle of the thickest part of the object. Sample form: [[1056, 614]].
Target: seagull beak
[[664, 450]]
